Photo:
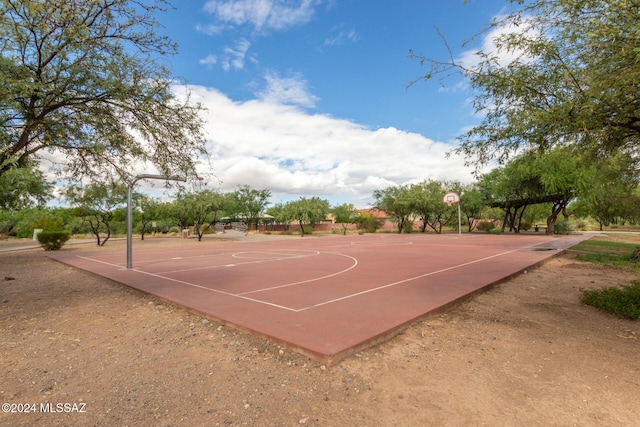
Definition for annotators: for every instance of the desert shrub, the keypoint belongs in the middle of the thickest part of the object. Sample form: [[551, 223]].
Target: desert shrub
[[368, 223], [24, 220], [526, 225], [621, 301], [486, 225], [53, 240], [581, 224], [48, 222], [563, 227]]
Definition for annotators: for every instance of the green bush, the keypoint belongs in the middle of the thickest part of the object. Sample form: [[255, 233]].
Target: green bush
[[53, 240], [563, 227], [368, 223], [486, 225], [581, 224], [621, 301], [526, 225]]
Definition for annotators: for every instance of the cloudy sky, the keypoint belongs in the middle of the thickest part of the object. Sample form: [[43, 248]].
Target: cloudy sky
[[311, 98]]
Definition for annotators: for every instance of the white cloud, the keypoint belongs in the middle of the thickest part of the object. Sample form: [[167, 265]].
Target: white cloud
[[293, 153], [287, 90], [265, 144], [262, 14], [340, 35], [209, 60], [234, 57]]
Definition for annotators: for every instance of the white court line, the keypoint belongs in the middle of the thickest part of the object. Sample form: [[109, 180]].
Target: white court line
[[101, 262], [182, 282], [355, 263], [201, 255], [259, 261], [279, 253], [389, 285], [376, 244], [415, 278]]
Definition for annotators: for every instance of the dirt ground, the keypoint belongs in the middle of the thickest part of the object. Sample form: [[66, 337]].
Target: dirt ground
[[80, 350]]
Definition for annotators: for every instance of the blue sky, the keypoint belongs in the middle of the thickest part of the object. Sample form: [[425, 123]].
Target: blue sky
[[311, 97]]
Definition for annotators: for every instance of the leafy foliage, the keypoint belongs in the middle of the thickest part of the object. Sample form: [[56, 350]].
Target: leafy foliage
[[201, 209], [555, 177], [97, 204], [22, 223], [613, 192], [22, 188], [307, 211], [247, 204], [397, 202], [53, 240], [344, 214], [367, 222], [82, 79], [573, 79]]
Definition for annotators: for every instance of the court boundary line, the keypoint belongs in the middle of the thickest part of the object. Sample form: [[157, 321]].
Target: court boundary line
[[355, 263], [182, 282], [343, 298], [409, 279], [316, 253]]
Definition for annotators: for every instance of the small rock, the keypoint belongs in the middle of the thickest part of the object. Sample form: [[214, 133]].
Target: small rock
[[303, 420], [9, 278]]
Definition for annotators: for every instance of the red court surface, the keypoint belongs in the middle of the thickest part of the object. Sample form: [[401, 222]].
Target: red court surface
[[326, 297]]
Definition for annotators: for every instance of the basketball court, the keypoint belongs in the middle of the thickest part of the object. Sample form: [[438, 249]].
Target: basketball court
[[326, 296]]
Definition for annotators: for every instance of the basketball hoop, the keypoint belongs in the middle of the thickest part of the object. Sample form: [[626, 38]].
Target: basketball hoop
[[450, 198]]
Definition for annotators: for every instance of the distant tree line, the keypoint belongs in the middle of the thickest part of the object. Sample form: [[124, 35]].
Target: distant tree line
[[542, 188]]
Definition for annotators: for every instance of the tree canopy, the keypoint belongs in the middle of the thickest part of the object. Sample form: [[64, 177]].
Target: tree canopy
[[97, 204], [307, 211], [82, 80], [248, 204], [22, 188], [574, 80], [201, 209], [397, 202]]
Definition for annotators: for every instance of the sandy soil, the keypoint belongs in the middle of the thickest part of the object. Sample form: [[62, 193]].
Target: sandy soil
[[76, 349]]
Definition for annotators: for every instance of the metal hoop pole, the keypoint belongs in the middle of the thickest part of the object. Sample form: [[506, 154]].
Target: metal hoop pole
[[130, 210]]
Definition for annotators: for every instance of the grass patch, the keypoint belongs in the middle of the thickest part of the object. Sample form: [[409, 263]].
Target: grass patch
[[621, 301], [621, 254]]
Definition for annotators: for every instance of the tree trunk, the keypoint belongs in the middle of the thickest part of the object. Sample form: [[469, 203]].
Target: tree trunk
[[551, 219]]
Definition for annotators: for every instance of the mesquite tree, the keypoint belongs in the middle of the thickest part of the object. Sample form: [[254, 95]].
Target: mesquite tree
[[82, 82]]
